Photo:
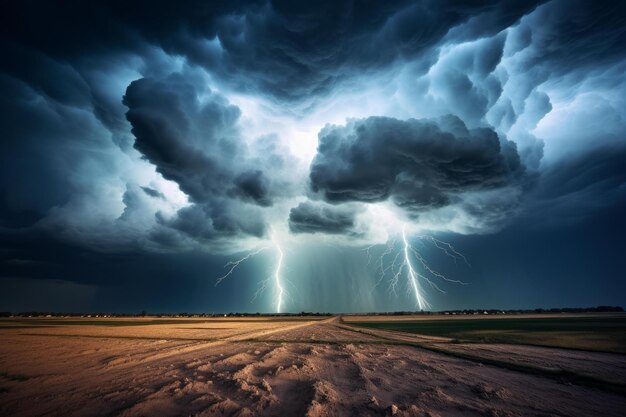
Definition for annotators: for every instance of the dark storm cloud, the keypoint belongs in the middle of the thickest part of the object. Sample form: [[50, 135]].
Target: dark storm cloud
[[575, 34], [212, 223], [60, 54], [45, 141], [574, 188], [319, 217], [510, 80], [464, 78], [79, 197], [191, 135], [253, 186], [295, 49], [287, 49], [190, 142], [562, 42], [418, 164]]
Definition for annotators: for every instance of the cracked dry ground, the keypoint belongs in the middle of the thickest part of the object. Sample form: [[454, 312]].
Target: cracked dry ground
[[274, 368]]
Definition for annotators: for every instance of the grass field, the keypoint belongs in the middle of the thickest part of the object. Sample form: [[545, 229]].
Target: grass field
[[598, 333]]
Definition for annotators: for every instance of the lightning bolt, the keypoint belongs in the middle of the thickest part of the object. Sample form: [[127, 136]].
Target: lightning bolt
[[261, 288], [403, 263], [380, 265], [411, 272], [234, 264], [276, 276], [447, 248], [277, 280]]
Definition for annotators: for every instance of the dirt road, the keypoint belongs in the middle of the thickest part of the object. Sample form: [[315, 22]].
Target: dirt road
[[302, 368]]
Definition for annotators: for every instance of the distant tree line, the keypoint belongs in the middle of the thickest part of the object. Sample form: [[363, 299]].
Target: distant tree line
[[491, 311], [159, 315], [599, 309]]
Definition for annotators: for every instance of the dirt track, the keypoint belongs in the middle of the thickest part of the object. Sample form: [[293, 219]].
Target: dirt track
[[291, 369]]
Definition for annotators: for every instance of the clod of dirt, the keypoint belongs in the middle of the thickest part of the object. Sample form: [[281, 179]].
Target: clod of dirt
[[266, 385], [488, 393], [244, 412], [436, 395], [206, 367], [325, 392], [373, 403]]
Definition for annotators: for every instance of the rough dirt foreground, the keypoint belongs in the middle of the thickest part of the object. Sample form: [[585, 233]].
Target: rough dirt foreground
[[301, 368]]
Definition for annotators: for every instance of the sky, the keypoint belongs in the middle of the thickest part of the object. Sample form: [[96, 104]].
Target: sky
[[354, 155]]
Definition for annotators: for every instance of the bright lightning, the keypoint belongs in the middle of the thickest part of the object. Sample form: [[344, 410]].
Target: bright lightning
[[397, 260], [280, 291], [403, 260], [277, 281], [412, 275], [261, 289], [447, 248], [234, 264]]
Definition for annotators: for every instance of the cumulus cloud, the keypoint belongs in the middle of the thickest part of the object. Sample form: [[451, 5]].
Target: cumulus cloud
[[320, 217], [192, 136], [190, 140], [420, 165]]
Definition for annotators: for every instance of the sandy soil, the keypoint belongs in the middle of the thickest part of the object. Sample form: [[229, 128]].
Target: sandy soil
[[303, 368]]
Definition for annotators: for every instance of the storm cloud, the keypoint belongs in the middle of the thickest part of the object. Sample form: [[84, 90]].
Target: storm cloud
[[150, 128], [151, 90], [192, 136], [290, 50], [420, 165], [318, 217]]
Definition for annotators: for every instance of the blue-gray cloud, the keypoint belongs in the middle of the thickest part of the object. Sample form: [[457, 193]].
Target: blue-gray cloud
[[319, 217], [287, 49], [191, 135], [419, 165]]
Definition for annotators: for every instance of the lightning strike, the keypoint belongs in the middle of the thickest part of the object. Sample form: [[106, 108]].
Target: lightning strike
[[277, 279], [369, 254], [411, 272], [276, 276], [261, 288], [404, 262], [234, 264], [447, 248], [381, 262]]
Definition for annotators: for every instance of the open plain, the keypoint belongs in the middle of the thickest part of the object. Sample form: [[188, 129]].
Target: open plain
[[291, 367]]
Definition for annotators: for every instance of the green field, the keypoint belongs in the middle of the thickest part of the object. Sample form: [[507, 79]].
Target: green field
[[602, 333]]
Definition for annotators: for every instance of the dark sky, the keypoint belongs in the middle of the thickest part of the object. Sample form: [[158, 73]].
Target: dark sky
[[354, 154]]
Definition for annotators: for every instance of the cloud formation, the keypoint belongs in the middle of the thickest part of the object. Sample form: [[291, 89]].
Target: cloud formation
[[174, 128], [419, 165], [191, 135], [318, 217], [290, 50]]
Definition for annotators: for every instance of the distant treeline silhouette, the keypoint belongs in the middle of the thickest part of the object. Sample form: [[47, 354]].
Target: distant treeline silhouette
[[159, 315], [599, 309], [492, 311]]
